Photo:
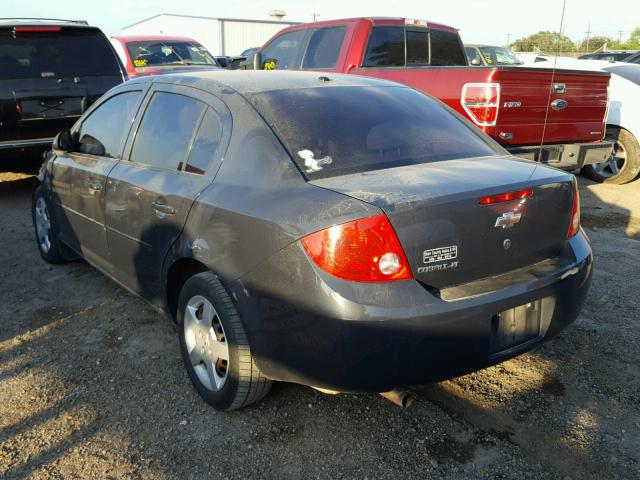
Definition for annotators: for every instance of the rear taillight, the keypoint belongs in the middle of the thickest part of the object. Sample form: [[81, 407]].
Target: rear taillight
[[481, 102], [574, 224], [364, 250], [506, 196]]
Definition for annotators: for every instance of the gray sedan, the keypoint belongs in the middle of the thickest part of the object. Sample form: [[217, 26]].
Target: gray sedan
[[346, 233]]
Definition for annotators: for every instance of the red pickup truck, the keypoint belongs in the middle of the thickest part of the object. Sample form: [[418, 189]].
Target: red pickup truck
[[554, 117]]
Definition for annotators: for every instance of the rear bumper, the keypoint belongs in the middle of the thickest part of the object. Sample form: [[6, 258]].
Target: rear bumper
[[32, 143], [306, 327], [568, 156]]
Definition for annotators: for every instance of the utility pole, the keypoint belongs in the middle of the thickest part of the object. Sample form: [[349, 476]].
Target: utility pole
[[315, 16], [588, 32], [620, 32], [508, 38]]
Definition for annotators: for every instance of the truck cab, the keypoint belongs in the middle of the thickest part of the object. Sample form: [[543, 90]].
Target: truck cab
[[552, 117]]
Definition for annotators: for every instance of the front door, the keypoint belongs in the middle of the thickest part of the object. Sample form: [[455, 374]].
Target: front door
[[173, 157], [79, 177]]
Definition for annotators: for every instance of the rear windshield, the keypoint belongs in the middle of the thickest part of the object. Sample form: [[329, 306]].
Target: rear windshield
[[168, 52], [69, 52], [334, 131]]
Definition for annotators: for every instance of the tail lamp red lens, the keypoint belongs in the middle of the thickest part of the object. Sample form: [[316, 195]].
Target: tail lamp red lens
[[364, 250], [481, 102], [36, 28], [574, 224], [506, 196]]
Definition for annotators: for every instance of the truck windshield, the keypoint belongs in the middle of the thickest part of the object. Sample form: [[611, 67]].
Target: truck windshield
[[67, 52], [335, 131], [168, 52]]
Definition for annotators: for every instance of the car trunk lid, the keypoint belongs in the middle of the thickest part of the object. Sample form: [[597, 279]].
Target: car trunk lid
[[448, 236]]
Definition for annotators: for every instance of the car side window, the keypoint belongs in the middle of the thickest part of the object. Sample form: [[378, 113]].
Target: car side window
[[417, 47], [446, 49], [104, 132], [324, 48], [166, 130], [205, 144], [385, 47], [284, 50]]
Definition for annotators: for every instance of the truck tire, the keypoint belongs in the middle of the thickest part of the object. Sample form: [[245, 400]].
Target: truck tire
[[45, 228], [214, 346], [624, 164]]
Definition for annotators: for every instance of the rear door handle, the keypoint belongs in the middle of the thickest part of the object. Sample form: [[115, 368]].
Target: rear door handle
[[95, 187], [163, 209]]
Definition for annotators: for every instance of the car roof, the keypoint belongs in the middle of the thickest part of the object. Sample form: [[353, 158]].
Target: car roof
[[12, 22], [247, 82], [144, 38]]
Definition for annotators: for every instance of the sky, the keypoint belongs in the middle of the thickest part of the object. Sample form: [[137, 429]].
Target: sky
[[479, 21]]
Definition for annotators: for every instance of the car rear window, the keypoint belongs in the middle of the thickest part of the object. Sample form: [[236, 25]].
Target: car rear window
[[335, 131], [399, 47], [69, 52], [168, 52]]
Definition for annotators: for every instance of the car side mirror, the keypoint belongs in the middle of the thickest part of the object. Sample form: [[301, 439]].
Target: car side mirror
[[64, 141], [476, 62], [257, 61]]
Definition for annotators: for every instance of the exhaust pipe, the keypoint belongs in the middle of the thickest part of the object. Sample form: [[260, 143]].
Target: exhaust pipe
[[402, 398]]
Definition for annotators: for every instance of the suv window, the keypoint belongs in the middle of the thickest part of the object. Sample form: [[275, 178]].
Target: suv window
[[105, 130], [376, 128], [205, 145], [70, 52], [284, 49], [417, 47], [166, 130], [385, 47], [446, 49], [324, 48]]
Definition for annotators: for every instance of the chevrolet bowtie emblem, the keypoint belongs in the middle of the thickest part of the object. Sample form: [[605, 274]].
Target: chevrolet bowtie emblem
[[508, 219]]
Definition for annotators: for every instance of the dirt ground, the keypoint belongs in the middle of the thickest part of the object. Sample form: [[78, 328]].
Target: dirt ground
[[92, 386]]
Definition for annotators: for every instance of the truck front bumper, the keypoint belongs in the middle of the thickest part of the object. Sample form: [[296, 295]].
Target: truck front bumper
[[570, 156]]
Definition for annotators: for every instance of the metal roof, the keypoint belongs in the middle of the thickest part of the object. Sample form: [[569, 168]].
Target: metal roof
[[245, 20]]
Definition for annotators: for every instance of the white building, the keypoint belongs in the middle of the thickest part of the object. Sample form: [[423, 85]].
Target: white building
[[221, 36]]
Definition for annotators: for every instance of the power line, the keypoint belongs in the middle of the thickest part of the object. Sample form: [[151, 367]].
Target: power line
[[588, 32]]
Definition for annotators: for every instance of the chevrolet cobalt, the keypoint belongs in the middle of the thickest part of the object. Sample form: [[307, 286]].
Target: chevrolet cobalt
[[346, 233]]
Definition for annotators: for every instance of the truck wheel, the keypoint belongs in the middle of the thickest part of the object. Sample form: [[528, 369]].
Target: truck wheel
[[214, 346], [624, 164], [45, 228]]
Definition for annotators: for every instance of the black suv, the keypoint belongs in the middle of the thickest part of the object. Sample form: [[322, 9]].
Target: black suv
[[51, 71]]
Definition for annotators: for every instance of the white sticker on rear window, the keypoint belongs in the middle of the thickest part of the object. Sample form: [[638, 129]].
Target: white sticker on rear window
[[440, 254], [311, 164]]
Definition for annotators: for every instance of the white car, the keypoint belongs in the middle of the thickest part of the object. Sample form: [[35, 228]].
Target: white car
[[623, 117]]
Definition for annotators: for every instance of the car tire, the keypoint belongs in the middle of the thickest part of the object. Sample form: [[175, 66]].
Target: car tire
[[45, 227], [210, 329], [624, 164]]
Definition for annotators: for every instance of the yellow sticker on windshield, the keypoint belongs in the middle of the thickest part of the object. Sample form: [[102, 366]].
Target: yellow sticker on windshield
[[140, 62], [269, 65]]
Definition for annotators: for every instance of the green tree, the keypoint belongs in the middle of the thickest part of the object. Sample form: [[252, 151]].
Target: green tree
[[545, 42], [593, 44], [634, 39]]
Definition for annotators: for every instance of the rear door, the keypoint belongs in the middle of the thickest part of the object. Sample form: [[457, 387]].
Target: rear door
[[79, 177], [49, 75], [176, 152]]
